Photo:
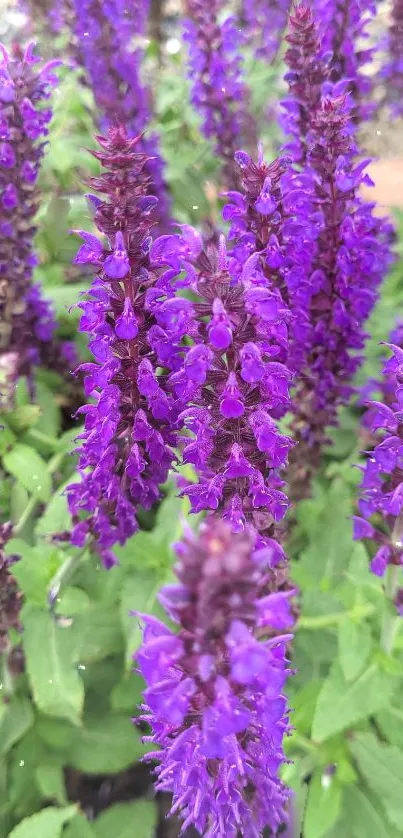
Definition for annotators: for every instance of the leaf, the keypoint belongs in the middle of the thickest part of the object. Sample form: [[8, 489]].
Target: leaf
[[97, 633], [56, 517], [106, 745], [127, 694], [138, 594], [390, 721], [79, 827], [125, 820], [360, 817], [330, 534], [342, 703], [382, 767], [355, 643], [303, 703], [17, 718], [26, 465], [24, 417], [45, 824], [322, 807], [50, 779], [35, 569], [51, 666]]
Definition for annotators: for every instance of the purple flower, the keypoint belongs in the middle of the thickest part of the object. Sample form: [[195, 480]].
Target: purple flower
[[343, 33], [28, 323], [234, 383], [108, 35], [266, 21], [381, 492], [127, 444], [214, 696], [215, 70], [350, 240], [306, 77], [392, 70]]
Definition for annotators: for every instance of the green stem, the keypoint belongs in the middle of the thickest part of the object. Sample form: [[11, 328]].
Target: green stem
[[62, 576], [328, 620], [390, 622]]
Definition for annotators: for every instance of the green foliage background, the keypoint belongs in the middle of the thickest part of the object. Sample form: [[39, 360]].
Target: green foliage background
[[73, 704]]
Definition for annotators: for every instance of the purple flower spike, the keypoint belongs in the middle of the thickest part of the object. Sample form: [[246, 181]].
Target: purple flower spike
[[28, 323], [335, 302], [266, 21], [108, 36], [215, 70], [234, 390], [127, 444], [214, 698], [343, 32], [381, 492], [392, 71]]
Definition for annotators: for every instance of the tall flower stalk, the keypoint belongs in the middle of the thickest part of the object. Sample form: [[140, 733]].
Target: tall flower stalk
[[127, 445], [343, 30], [266, 21], [109, 46], [214, 696], [215, 71], [392, 70], [234, 382], [27, 334]]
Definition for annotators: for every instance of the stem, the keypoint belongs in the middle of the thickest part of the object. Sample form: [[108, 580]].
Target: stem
[[328, 620], [62, 576], [390, 621]]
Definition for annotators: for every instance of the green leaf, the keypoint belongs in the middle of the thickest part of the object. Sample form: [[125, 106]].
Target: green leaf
[[361, 819], [56, 517], [355, 643], [97, 633], [382, 767], [125, 820], [35, 570], [24, 417], [51, 665], [127, 694], [30, 470], [303, 703], [79, 827], [17, 718], [106, 745], [7, 438], [45, 824], [138, 594], [50, 779], [390, 721], [322, 807], [342, 703], [330, 534]]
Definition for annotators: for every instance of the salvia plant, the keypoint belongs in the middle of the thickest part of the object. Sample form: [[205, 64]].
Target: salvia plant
[[201, 532]]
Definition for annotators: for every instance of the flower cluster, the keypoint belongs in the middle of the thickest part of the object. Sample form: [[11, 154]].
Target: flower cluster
[[266, 21], [234, 383], [306, 78], [108, 38], [273, 225], [392, 71], [351, 242], [214, 689], [218, 90], [343, 32], [382, 485], [128, 438], [27, 323]]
